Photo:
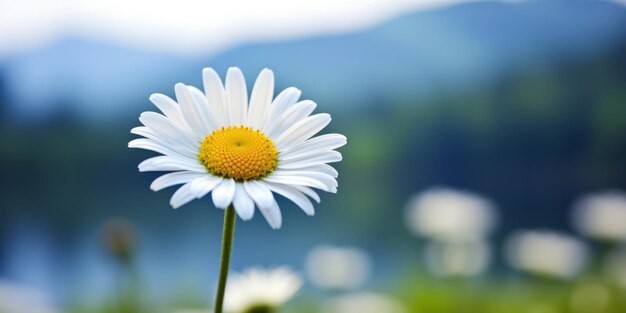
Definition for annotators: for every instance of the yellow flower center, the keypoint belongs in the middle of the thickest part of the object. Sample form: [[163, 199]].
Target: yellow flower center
[[238, 152]]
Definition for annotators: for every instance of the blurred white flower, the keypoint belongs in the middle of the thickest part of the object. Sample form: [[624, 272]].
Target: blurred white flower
[[459, 258], [546, 253], [337, 267], [615, 267], [601, 215], [21, 299], [440, 213], [363, 303], [260, 289]]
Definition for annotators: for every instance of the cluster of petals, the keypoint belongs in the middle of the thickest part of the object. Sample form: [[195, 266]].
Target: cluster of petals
[[260, 287], [179, 130]]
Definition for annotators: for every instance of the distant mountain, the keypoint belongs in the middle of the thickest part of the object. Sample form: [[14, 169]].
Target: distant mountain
[[416, 55], [87, 78]]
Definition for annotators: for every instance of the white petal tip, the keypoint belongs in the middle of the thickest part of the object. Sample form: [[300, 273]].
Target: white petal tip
[[134, 143], [220, 205], [208, 70], [275, 223], [245, 218], [293, 89]]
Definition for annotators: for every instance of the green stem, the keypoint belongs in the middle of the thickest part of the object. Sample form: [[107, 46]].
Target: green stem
[[227, 247]]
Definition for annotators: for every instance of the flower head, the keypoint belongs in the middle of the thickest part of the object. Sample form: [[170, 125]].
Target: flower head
[[450, 215], [547, 253], [602, 216], [333, 267], [260, 290], [458, 258], [240, 151], [119, 236]]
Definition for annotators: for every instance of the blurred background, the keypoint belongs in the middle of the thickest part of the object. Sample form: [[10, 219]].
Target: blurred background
[[484, 169]]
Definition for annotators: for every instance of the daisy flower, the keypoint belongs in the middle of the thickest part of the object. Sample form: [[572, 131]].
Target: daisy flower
[[260, 290], [546, 253], [450, 215], [338, 268], [241, 151], [602, 216]]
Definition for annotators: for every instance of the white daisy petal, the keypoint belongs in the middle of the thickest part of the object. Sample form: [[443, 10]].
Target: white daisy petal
[[147, 144], [297, 180], [236, 96], [183, 149], [170, 108], [302, 130], [255, 286], [325, 168], [182, 196], [224, 193], [200, 187], [191, 111], [261, 99], [294, 195], [309, 192], [285, 99], [175, 178], [316, 144], [214, 91], [243, 203], [205, 113], [261, 195], [320, 168], [265, 201], [272, 215], [162, 127], [170, 163], [325, 157], [328, 180], [292, 115]]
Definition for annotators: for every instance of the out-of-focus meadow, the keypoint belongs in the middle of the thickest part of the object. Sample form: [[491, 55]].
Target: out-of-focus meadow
[[484, 170]]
